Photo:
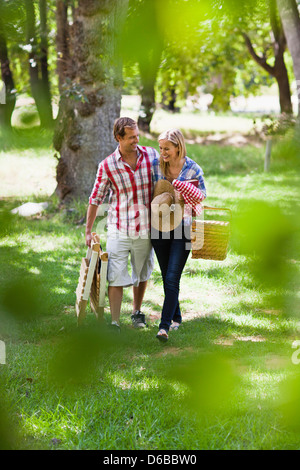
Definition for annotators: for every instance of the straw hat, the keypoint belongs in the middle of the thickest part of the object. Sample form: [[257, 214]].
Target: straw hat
[[166, 207]]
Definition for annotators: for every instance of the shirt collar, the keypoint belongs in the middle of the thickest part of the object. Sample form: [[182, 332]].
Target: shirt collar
[[119, 156]]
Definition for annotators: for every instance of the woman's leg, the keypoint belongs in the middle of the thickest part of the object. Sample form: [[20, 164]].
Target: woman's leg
[[162, 249], [178, 256]]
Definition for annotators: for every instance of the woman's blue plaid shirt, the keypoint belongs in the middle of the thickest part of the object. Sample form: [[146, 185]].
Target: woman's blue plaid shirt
[[190, 170]]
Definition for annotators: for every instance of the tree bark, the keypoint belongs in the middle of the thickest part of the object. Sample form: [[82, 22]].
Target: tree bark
[[8, 96], [291, 24], [91, 100]]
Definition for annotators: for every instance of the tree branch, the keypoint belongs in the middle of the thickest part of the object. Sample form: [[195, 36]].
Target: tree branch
[[259, 60]]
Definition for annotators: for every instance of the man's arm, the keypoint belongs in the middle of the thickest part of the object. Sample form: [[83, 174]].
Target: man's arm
[[90, 219], [101, 187]]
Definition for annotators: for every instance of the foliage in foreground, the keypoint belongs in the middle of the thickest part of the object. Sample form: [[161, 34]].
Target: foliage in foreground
[[221, 382]]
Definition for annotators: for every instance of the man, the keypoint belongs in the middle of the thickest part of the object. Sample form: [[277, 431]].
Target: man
[[126, 177]]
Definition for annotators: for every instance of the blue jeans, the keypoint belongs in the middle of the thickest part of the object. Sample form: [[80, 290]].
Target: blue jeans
[[172, 255]]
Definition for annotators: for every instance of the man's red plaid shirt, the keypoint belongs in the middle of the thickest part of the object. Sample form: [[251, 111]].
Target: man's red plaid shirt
[[129, 191]]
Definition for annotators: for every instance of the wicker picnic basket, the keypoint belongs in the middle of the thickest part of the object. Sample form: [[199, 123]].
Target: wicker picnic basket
[[210, 238]]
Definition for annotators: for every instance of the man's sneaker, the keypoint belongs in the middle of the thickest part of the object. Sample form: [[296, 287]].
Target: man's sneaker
[[138, 319]]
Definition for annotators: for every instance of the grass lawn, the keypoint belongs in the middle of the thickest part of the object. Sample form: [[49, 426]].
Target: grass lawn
[[227, 379]]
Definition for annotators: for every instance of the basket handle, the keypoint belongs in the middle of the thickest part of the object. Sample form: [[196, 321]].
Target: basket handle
[[218, 209]]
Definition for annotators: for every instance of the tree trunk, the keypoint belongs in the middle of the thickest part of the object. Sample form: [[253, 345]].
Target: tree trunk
[[281, 76], [147, 104], [8, 96], [148, 66], [278, 70], [91, 103], [45, 81], [169, 100], [291, 24], [62, 41], [144, 45], [39, 81]]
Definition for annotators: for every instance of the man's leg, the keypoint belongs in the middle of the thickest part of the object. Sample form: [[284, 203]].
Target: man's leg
[[142, 265], [117, 275], [115, 295], [138, 295]]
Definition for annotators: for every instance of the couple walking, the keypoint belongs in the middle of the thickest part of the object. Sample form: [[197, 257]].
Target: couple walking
[[151, 199]]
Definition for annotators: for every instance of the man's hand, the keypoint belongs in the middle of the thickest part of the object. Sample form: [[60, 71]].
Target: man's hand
[[90, 219], [88, 238]]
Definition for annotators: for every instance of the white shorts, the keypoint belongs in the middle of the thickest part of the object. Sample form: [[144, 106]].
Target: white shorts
[[141, 260]]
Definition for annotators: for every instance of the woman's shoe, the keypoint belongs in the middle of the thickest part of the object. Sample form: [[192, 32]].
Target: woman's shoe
[[174, 326], [162, 335]]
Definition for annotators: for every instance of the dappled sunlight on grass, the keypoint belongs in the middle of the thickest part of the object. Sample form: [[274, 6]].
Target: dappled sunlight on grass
[[230, 190], [265, 386], [45, 424], [25, 175], [129, 383], [256, 322]]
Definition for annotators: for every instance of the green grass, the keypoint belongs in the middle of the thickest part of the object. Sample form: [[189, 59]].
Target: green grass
[[219, 381]]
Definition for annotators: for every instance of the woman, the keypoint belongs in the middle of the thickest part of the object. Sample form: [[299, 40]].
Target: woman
[[172, 249]]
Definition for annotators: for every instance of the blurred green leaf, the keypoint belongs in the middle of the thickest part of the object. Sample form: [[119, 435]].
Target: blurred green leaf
[[290, 402], [81, 352], [7, 436], [9, 431], [211, 381], [264, 232], [24, 299], [260, 228]]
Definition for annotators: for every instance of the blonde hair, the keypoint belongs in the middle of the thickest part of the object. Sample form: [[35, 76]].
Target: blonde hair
[[176, 138]]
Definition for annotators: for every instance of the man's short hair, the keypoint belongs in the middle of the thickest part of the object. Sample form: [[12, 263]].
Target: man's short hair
[[120, 124]]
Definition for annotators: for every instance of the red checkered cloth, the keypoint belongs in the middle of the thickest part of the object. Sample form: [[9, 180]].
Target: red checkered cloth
[[192, 195]]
